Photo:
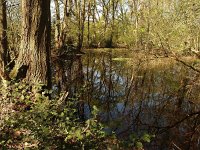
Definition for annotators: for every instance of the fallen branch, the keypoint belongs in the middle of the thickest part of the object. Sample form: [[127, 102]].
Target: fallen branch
[[186, 64], [189, 66], [164, 128]]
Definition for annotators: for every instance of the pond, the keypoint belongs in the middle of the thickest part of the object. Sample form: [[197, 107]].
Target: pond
[[137, 93]]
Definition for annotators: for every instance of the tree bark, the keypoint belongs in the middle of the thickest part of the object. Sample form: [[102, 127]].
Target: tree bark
[[3, 38], [80, 8], [34, 55], [58, 42], [88, 23]]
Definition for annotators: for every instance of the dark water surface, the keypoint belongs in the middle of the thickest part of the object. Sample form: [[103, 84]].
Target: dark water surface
[[137, 93]]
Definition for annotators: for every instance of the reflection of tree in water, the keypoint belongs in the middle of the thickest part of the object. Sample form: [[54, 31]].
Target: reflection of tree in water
[[139, 99], [69, 78]]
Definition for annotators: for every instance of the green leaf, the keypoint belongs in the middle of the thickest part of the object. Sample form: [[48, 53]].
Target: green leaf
[[139, 145], [78, 134], [69, 137], [146, 138]]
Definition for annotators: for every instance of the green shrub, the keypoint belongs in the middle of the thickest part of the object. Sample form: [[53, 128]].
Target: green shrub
[[39, 123], [35, 122]]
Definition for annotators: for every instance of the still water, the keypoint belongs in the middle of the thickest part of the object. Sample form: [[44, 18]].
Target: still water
[[137, 93]]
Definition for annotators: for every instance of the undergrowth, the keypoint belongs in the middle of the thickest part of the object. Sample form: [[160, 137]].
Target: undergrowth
[[35, 122]]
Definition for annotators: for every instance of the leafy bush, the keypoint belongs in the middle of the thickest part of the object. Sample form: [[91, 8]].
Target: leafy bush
[[35, 122], [42, 123]]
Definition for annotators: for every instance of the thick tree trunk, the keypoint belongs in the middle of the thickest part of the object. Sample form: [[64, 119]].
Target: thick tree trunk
[[34, 55]]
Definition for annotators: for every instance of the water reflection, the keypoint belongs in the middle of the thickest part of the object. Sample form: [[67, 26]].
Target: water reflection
[[68, 77], [137, 94]]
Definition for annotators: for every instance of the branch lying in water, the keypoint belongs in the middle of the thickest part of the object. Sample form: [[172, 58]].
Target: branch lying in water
[[164, 128], [183, 119], [184, 63]]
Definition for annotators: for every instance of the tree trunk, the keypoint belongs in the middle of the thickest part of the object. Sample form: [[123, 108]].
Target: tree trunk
[[88, 23], [3, 38], [58, 42], [34, 55], [81, 23], [65, 25]]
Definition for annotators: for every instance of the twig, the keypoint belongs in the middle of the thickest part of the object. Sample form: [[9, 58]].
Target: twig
[[88, 125], [63, 97], [176, 146]]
